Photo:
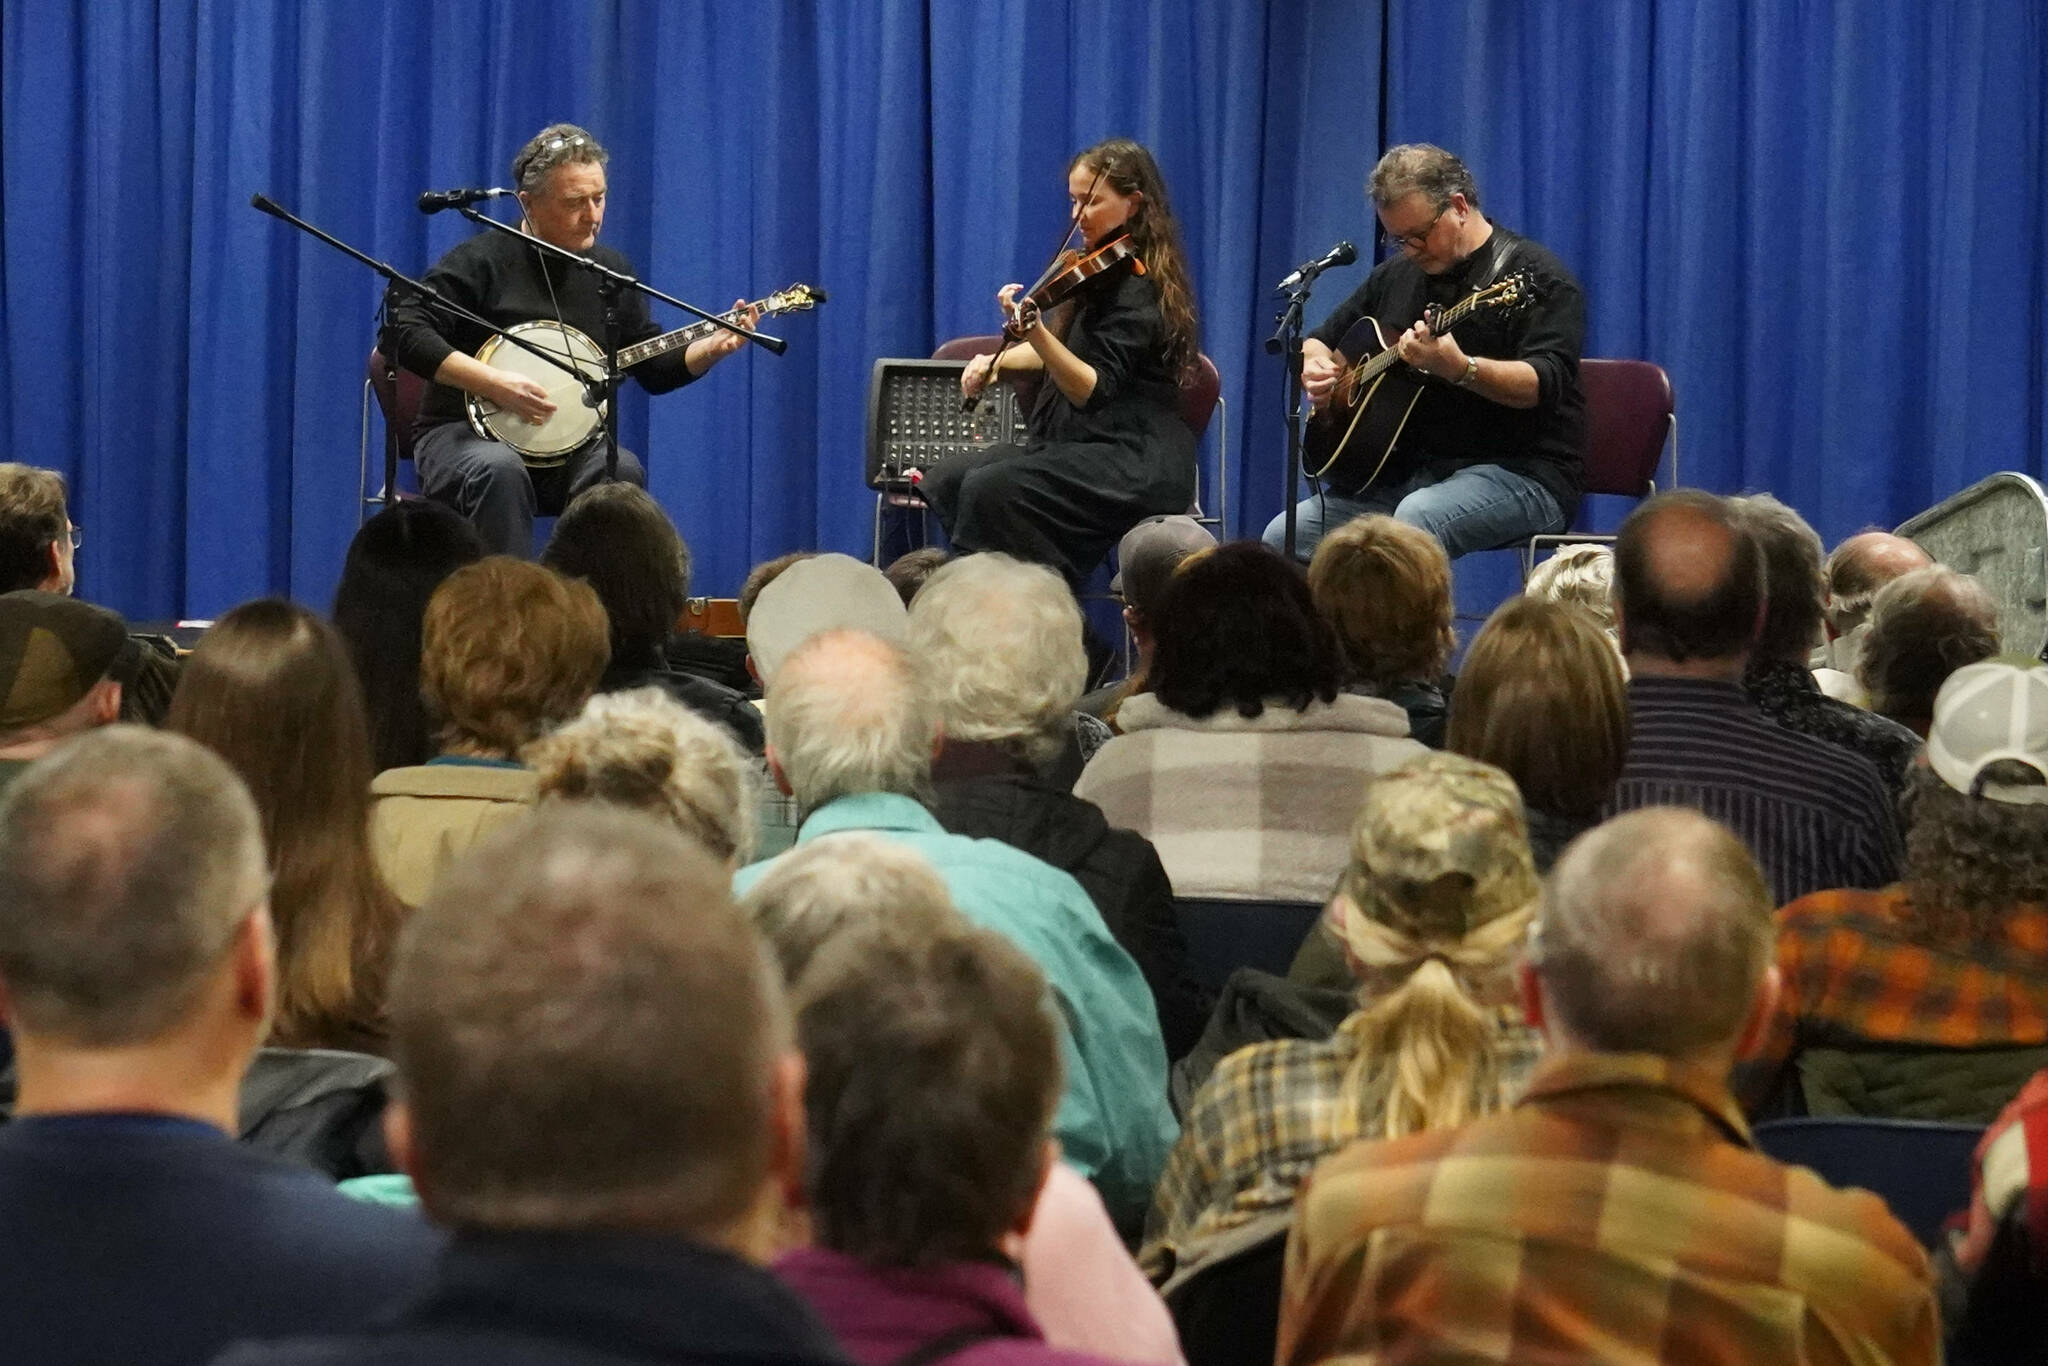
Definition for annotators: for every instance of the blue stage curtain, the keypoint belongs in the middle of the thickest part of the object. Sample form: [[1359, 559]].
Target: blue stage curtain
[[1825, 219]]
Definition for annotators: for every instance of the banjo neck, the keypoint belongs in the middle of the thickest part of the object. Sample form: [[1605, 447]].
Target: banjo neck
[[630, 356]]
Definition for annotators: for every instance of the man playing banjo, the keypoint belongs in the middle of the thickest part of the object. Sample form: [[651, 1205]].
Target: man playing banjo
[[560, 180]]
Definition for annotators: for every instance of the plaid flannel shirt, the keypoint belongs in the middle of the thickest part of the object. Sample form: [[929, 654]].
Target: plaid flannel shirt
[[1265, 1117], [1617, 1214], [1851, 971]]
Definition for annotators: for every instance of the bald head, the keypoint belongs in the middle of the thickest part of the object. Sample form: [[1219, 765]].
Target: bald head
[[847, 714], [1655, 932], [1859, 567], [1689, 584]]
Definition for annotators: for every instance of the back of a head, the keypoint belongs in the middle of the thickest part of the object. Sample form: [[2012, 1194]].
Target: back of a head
[[908, 572], [848, 714], [1541, 695], [1795, 587], [763, 574], [128, 861], [932, 1073], [1386, 587], [1860, 566], [827, 592], [1689, 579], [645, 750], [1000, 642], [1924, 625], [827, 887], [618, 539], [1237, 628], [33, 516], [396, 561], [1655, 931], [508, 649], [1580, 576], [587, 1031]]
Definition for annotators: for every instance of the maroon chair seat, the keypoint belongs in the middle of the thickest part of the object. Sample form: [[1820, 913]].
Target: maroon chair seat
[[1630, 416]]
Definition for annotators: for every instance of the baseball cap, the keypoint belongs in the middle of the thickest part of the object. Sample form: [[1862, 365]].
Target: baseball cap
[[1439, 848], [1991, 710], [53, 649], [822, 593], [1149, 553]]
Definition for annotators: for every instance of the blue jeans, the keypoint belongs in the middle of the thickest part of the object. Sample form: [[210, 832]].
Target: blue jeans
[[1480, 507]]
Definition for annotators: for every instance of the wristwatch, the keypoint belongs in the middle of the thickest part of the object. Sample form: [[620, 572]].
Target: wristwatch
[[1471, 373]]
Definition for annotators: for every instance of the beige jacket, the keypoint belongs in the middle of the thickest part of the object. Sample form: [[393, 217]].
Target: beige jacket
[[423, 818]]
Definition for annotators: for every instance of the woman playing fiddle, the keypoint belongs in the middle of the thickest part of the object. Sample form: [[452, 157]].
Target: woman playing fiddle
[[1107, 445]]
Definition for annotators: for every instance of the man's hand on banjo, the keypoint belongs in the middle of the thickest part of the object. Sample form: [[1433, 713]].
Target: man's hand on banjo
[[522, 397]]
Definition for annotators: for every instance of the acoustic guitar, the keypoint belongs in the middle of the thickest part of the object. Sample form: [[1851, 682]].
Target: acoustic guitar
[[1351, 437], [569, 384]]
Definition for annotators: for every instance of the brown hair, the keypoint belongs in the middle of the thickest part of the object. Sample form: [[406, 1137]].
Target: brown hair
[[1542, 697], [1386, 588], [508, 648], [271, 690], [763, 574], [933, 1069], [1129, 169], [32, 517], [1970, 860], [617, 539], [588, 1031]]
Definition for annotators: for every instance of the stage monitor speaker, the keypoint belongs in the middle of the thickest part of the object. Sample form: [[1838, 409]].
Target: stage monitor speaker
[[1997, 530], [914, 419]]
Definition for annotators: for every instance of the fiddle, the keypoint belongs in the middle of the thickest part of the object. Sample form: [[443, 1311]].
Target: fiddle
[[1062, 280]]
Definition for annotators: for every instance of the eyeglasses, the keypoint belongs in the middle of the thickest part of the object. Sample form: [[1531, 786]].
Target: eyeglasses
[[1420, 237], [76, 535]]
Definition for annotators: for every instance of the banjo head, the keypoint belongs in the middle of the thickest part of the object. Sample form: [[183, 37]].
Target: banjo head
[[574, 419]]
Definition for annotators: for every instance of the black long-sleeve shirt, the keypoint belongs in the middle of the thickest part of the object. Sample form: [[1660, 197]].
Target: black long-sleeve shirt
[[1453, 427], [506, 280]]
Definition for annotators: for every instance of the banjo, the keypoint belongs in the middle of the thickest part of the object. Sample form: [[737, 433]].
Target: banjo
[[576, 364]]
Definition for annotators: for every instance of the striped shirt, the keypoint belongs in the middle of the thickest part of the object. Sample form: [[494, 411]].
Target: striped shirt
[[1814, 815], [1618, 1214]]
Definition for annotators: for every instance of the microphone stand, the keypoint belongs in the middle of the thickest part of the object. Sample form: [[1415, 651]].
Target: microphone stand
[[1286, 341], [610, 285]]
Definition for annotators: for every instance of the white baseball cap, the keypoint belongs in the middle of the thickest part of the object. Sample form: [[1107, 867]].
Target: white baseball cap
[[1988, 711]]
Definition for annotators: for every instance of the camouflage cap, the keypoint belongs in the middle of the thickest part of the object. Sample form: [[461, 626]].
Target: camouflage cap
[[1440, 847], [53, 649]]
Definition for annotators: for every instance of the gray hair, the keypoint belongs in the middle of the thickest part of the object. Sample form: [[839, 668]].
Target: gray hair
[[644, 749], [1580, 576], [129, 859], [848, 714], [1000, 641], [1654, 932], [1420, 168], [1795, 588], [1923, 627], [558, 144], [826, 888], [587, 1030]]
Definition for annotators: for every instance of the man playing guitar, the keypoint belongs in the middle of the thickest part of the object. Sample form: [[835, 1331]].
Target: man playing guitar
[[560, 179], [1491, 450]]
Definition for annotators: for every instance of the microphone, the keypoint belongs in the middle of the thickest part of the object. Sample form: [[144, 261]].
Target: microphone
[[1343, 254], [433, 201]]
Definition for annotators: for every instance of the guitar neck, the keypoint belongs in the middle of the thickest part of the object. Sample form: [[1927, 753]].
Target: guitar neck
[[668, 341], [1370, 369]]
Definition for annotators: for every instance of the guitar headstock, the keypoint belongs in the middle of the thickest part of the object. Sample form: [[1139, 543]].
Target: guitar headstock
[[795, 299], [1510, 292]]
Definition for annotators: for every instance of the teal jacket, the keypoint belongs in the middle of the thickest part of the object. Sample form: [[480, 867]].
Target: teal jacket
[[1113, 1122]]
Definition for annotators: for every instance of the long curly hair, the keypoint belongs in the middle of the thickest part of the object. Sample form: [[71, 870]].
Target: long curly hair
[[1970, 860], [1126, 167]]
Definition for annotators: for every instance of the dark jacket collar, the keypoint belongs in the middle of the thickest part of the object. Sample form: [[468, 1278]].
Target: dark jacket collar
[[959, 759]]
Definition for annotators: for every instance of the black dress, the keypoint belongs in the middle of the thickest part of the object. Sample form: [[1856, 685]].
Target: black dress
[[1091, 471]]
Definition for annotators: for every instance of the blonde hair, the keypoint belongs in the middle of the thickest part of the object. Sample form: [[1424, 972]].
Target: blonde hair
[[1580, 576]]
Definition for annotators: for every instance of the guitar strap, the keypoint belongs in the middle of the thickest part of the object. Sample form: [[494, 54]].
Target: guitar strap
[[1503, 251]]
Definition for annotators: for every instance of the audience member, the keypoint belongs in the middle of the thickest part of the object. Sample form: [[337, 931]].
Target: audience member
[[999, 644], [1146, 558], [56, 654], [645, 750], [509, 649], [1924, 625], [1542, 697], [907, 572], [1929, 999], [851, 733], [616, 538], [763, 574], [1580, 576], [932, 1072], [1386, 587], [271, 690], [601, 1102], [1433, 911], [1778, 679], [396, 561], [1618, 1212], [1080, 1283], [1995, 1272], [1690, 597], [136, 963], [1244, 762], [1855, 571]]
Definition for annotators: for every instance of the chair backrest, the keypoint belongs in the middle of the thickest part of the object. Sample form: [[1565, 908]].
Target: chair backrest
[[1921, 1169], [1198, 394], [1224, 936], [966, 348], [398, 392], [1628, 417]]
